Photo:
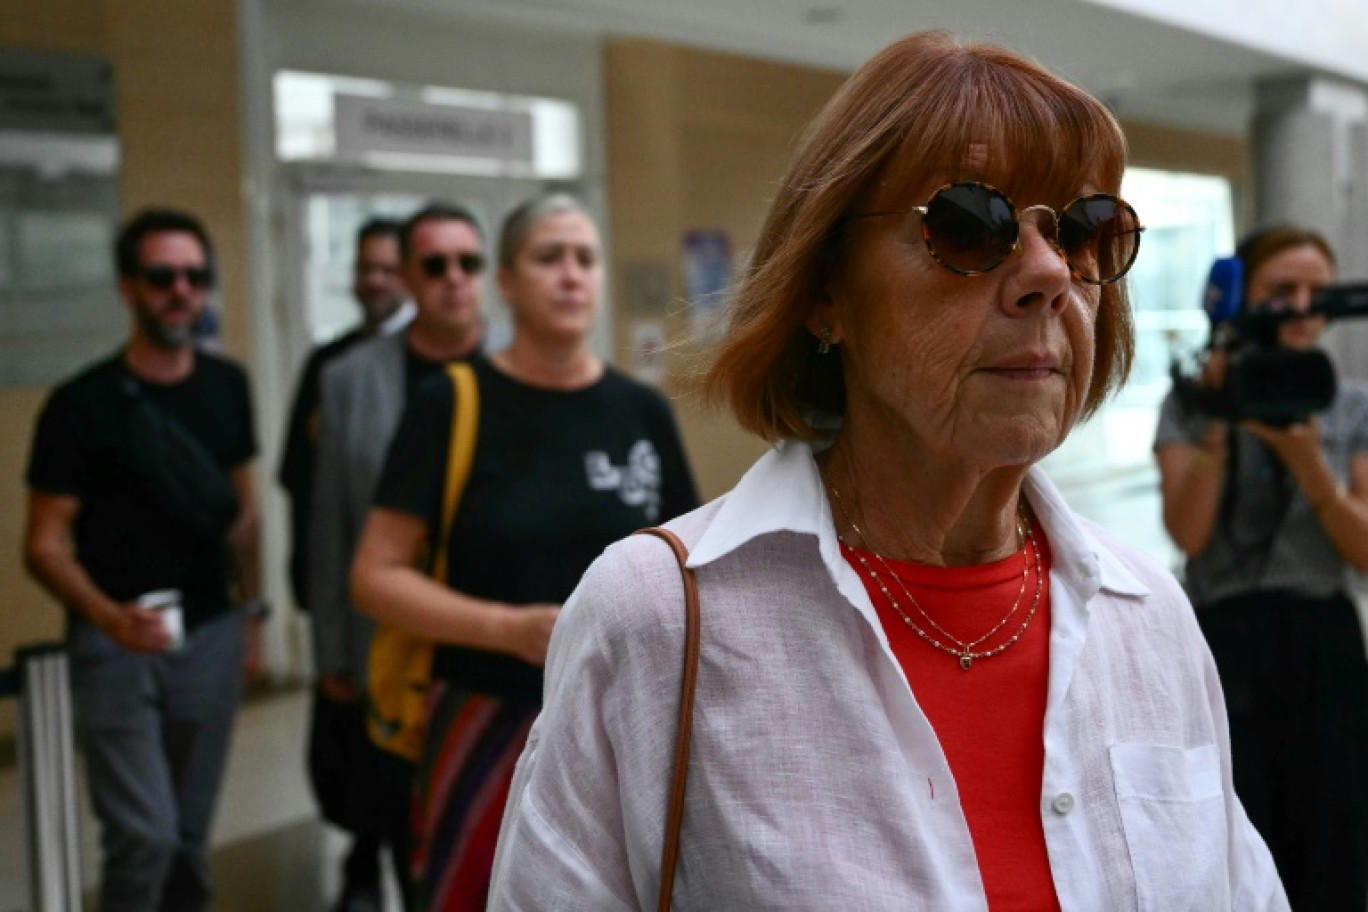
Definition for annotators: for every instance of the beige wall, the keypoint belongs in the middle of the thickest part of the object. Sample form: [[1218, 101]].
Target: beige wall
[[176, 75], [696, 140]]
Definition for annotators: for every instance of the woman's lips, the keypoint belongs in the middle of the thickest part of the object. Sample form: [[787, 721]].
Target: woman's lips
[[1027, 367]]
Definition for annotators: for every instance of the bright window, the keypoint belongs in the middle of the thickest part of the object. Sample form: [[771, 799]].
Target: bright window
[[1106, 468]]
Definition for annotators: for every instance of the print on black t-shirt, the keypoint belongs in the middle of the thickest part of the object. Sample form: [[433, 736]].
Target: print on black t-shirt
[[557, 477]]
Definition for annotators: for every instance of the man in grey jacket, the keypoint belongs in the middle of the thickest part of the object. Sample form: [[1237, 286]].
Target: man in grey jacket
[[363, 394]]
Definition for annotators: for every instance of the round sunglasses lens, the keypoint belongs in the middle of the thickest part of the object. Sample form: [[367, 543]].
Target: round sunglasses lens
[[1100, 236], [970, 227]]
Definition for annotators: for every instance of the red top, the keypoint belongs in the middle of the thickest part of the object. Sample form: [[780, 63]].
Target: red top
[[990, 718]]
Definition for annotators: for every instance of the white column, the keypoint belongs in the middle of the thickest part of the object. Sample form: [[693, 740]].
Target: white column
[[1311, 165]]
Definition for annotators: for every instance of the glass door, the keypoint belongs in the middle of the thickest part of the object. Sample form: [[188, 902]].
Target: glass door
[[1106, 468], [327, 208]]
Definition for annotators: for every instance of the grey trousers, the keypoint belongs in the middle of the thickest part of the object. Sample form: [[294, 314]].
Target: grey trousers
[[155, 732]]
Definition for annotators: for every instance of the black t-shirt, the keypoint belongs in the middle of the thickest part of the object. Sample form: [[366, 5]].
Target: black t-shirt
[[126, 541], [557, 477], [416, 370]]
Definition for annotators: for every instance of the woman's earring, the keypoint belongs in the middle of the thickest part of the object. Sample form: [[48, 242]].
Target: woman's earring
[[824, 346]]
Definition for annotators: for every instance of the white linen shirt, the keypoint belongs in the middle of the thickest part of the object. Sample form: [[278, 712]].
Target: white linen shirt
[[815, 780]]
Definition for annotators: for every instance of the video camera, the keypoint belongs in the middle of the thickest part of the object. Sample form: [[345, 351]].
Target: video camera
[[1264, 380]]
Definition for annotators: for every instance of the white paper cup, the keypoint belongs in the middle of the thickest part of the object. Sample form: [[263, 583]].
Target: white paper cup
[[168, 603]]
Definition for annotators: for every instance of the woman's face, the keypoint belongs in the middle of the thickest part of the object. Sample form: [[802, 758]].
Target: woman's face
[[553, 285], [1292, 277], [986, 371]]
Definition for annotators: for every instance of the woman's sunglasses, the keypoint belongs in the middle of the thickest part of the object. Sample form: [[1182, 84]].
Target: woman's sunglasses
[[436, 265], [971, 227], [163, 278]]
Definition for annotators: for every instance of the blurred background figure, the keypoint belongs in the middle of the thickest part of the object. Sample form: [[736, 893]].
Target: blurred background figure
[[123, 513], [1270, 516], [379, 290], [362, 396], [339, 771], [571, 455]]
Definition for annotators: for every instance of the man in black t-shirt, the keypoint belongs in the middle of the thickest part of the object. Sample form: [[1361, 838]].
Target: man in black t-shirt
[[362, 397], [154, 705]]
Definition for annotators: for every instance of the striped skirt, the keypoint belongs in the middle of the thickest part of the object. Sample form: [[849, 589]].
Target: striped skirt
[[461, 787]]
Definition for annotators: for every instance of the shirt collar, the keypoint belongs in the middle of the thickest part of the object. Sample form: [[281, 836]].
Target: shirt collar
[[1076, 552], [783, 492], [398, 320]]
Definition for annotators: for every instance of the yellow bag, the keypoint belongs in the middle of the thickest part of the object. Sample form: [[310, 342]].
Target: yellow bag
[[399, 666]]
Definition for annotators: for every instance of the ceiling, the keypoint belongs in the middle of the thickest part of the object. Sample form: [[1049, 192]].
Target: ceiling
[[1144, 69]]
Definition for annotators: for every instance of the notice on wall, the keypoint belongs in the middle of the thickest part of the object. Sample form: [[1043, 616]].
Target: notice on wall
[[55, 92], [707, 276], [647, 357], [59, 212], [58, 303]]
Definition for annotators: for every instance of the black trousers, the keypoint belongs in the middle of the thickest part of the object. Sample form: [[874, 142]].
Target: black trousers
[[363, 790], [1296, 689]]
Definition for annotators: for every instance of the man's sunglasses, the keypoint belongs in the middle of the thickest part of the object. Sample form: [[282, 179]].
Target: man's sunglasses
[[436, 265], [163, 278], [971, 227]]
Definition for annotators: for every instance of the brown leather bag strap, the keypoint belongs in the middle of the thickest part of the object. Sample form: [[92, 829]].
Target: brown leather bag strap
[[670, 851]]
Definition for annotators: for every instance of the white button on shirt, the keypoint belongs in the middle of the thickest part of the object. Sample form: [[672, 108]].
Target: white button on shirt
[[815, 780]]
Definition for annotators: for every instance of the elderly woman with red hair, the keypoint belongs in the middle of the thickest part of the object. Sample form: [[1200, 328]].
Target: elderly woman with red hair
[[924, 682]]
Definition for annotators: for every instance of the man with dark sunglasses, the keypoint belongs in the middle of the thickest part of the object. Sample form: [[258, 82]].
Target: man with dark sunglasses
[[363, 394], [338, 751], [155, 705]]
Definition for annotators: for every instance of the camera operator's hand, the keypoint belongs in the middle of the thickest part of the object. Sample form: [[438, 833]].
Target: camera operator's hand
[[1342, 512], [1298, 447], [1214, 368]]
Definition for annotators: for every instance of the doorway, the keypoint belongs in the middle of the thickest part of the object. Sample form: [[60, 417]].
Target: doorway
[[325, 208]]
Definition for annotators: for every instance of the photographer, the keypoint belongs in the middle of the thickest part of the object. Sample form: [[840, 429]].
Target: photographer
[[1270, 518]]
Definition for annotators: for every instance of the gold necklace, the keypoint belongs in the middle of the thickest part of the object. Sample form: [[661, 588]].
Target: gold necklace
[[962, 650]]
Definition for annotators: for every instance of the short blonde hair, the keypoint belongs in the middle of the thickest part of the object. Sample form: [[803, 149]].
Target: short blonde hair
[[519, 224], [925, 106]]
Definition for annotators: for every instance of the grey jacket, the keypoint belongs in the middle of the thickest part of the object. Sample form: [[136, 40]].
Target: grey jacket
[[361, 401]]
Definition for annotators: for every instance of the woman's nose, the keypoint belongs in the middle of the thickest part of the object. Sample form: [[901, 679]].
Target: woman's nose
[[1043, 275]]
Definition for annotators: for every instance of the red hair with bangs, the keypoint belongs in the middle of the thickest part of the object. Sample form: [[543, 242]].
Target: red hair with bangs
[[925, 110]]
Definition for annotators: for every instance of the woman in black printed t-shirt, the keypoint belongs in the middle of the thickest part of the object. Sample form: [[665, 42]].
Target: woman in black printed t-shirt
[[571, 455]]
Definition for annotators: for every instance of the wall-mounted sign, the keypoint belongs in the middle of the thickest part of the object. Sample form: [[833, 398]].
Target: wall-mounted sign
[[647, 358], [707, 277], [55, 92], [367, 125]]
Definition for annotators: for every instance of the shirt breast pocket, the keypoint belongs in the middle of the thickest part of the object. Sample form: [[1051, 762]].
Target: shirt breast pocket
[[1173, 813]]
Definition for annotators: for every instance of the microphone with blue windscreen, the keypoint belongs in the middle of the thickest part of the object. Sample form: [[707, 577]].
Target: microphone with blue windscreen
[[1223, 298]]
